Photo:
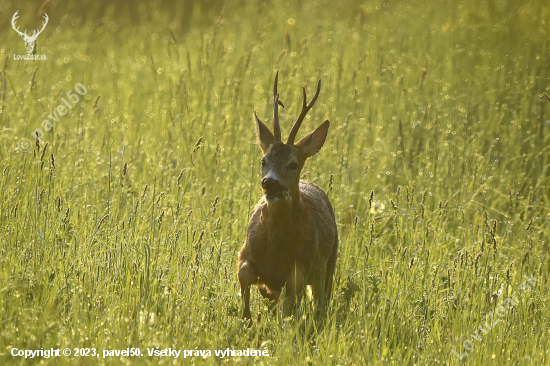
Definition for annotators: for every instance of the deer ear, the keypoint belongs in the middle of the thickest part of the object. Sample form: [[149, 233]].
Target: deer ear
[[265, 137], [313, 142]]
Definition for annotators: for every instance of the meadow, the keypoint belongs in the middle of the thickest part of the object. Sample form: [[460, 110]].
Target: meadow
[[121, 228]]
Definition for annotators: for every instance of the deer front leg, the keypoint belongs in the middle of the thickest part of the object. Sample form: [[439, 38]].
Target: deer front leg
[[294, 286], [247, 277], [318, 295], [319, 291]]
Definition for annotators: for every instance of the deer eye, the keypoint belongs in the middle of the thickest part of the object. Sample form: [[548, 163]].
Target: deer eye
[[292, 166]]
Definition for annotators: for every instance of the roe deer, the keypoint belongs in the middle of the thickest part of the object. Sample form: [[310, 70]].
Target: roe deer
[[291, 237]]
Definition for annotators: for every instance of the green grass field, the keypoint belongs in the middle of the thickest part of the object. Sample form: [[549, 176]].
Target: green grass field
[[122, 228]]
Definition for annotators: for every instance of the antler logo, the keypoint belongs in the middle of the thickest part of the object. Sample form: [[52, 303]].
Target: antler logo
[[30, 41]]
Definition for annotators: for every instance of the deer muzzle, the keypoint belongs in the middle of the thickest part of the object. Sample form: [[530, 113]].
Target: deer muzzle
[[273, 190]]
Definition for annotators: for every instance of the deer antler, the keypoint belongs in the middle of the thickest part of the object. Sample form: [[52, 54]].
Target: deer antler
[[276, 102], [35, 34], [14, 26], [305, 109]]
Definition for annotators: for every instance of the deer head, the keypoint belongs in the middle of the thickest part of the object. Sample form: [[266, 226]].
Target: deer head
[[283, 162], [30, 41]]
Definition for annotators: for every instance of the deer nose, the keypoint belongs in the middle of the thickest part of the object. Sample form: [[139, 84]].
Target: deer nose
[[269, 184]]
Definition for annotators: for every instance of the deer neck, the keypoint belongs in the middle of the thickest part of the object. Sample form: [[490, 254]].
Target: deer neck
[[282, 217]]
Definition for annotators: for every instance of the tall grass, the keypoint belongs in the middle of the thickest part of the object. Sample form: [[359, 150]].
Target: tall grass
[[124, 230]]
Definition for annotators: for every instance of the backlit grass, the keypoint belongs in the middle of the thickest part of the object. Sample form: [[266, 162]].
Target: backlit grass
[[124, 230]]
